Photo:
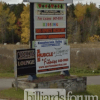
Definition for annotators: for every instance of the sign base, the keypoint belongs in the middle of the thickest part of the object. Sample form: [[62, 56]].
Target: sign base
[[67, 73], [31, 77]]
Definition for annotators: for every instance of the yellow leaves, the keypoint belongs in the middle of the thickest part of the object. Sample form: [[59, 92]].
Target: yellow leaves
[[94, 38], [11, 20], [6, 16], [25, 35], [25, 17], [80, 10], [25, 20], [7, 12]]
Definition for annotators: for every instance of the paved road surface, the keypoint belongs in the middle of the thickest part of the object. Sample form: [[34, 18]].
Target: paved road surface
[[93, 80], [6, 83]]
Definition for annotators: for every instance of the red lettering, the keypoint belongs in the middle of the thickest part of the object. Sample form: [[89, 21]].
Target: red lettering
[[38, 30], [56, 24]]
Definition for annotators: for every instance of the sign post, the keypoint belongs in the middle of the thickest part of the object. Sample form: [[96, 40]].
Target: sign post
[[15, 70], [66, 72], [32, 76]]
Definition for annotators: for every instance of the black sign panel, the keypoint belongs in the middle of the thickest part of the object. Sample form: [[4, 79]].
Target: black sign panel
[[25, 62]]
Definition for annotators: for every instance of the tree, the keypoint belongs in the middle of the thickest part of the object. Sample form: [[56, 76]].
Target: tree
[[11, 24], [80, 11], [71, 9], [25, 20], [6, 21], [87, 17], [3, 22], [17, 10]]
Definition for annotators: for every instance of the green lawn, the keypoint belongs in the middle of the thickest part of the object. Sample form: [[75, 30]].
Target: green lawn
[[19, 94], [12, 94], [11, 75]]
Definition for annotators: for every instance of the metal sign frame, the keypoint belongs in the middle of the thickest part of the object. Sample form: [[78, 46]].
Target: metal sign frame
[[32, 15], [49, 1]]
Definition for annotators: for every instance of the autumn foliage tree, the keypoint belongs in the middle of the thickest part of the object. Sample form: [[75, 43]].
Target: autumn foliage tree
[[7, 22], [87, 18], [25, 20]]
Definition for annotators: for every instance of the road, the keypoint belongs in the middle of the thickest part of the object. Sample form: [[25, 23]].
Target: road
[[7, 83]]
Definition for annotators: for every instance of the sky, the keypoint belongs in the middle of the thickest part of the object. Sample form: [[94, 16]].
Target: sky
[[74, 1]]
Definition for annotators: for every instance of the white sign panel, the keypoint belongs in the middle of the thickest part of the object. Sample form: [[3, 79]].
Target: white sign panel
[[52, 59], [50, 43], [48, 19]]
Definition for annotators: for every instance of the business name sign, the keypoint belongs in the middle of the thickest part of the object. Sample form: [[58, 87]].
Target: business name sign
[[52, 59], [52, 36], [50, 6], [50, 19], [50, 12], [50, 30], [49, 43], [25, 63]]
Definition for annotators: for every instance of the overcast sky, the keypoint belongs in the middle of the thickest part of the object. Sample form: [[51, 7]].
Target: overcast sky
[[75, 1]]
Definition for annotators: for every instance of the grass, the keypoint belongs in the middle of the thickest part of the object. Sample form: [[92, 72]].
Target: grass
[[91, 90], [12, 94], [11, 75], [6, 75]]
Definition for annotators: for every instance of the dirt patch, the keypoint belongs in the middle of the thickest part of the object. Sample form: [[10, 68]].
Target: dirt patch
[[50, 78]]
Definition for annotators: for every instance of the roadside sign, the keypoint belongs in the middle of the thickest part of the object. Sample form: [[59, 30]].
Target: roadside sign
[[50, 21], [49, 43], [25, 62], [52, 59]]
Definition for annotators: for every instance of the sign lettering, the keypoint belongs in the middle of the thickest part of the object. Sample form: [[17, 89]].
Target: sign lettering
[[50, 24], [50, 6], [50, 30], [50, 12], [50, 36], [56, 18], [50, 43]]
